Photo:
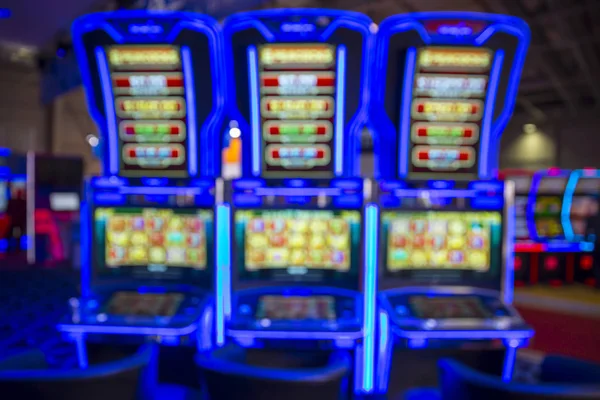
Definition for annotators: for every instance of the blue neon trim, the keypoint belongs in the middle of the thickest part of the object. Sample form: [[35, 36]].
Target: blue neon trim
[[4, 152], [490, 103], [404, 123], [509, 363], [462, 334], [565, 213], [255, 111], [385, 353], [82, 358], [301, 335], [109, 107], [223, 271], [370, 296], [191, 111], [339, 110], [128, 330], [509, 273]]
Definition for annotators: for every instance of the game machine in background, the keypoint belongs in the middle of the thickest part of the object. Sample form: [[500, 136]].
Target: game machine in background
[[544, 210], [54, 188], [445, 87], [149, 244], [580, 205], [298, 277], [17, 193], [527, 251]]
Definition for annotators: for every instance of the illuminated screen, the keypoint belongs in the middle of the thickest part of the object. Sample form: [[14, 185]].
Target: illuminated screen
[[585, 204], [449, 92], [433, 240], [290, 308], [297, 244], [297, 103], [144, 305], [150, 106], [547, 217], [521, 229], [448, 307], [152, 240]]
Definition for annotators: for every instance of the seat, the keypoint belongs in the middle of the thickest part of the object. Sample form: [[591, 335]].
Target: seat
[[460, 382], [227, 374], [25, 376]]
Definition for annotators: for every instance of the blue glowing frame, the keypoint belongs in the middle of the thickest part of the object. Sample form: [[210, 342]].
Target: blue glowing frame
[[210, 165], [565, 214], [533, 192], [388, 137], [346, 159]]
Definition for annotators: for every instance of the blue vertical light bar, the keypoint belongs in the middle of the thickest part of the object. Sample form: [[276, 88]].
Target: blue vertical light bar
[[509, 274], [340, 106], [404, 123], [223, 270], [370, 295], [509, 360], [490, 102], [254, 110], [384, 354], [109, 108], [190, 99], [565, 214]]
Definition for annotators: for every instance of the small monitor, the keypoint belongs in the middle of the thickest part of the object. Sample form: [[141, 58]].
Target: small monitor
[[298, 245], [296, 308], [153, 243], [442, 307], [442, 246]]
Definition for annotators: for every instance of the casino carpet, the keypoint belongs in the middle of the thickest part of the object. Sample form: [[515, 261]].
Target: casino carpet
[[566, 320]]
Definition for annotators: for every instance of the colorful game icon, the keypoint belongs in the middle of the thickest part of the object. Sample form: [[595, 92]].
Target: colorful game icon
[[156, 224], [418, 242], [277, 225], [194, 240], [157, 239], [418, 226], [118, 238], [456, 242], [139, 239], [138, 255], [318, 226], [457, 227], [300, 226], [157, 255], [438, 242], [279, 240], [317, 242], [298, 257], [338, 226], [195, 225], [137, 224], [117, 224], [257, 225], [476, 242], [297, 240], [176, 224], [258, 241], [175, 238], [456, 257], [278, 257], [399, 241]]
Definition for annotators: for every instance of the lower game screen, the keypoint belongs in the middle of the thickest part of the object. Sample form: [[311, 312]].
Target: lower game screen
[[153, 242], [447, 307], [298, 245], [442, 245], [144, 305], [547, 216], [296, 308]]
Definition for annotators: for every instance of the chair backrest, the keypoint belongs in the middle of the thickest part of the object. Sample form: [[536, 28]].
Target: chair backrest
[[460, 382], [227, 376], [127, 379]]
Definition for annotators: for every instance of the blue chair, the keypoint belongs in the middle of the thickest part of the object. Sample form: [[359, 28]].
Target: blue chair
[[561, 379], [25, 376], [227, 375]]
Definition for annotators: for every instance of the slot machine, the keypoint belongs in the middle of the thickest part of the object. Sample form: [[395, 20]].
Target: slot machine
[[580, 204], [445, 87], [297, 94], [149, 222], [5, 175], [544, 218], [527, 252]]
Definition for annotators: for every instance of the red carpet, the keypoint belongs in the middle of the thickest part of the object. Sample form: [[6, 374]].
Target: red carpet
[[569, 335]]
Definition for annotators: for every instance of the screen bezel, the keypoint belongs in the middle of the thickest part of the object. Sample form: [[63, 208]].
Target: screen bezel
[[203, 278], [488, 279], [351, 281]]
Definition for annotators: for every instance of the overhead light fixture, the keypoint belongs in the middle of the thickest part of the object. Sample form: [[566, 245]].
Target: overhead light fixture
[[235, 133], [530, 128], [92, 140]]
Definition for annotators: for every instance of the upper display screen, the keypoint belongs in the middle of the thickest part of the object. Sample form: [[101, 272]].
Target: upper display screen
[[297, 107], [150, 106], [152, 242], [306, 245], [450, 86], [436, 241]]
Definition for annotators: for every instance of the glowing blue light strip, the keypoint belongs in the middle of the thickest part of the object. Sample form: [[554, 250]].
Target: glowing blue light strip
[[340, 106], [385, 353], [509, 363], [432, 193], [162, 190], [459, 334], [370, 296], [307, 335], [109, 107], [82, 359], [254, 110], [565, 213], [190, 98], [223, 271], [509, 274], [490, 103], [310, 192], [404, 123], [128, 330]]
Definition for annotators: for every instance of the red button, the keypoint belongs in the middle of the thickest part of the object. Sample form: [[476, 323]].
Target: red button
[[474, 109], [174, 153], [420, 108], [468, 133], [423, 155], [320, 153], [275, 153], [464, 156], [422, 132], [132, 153]]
